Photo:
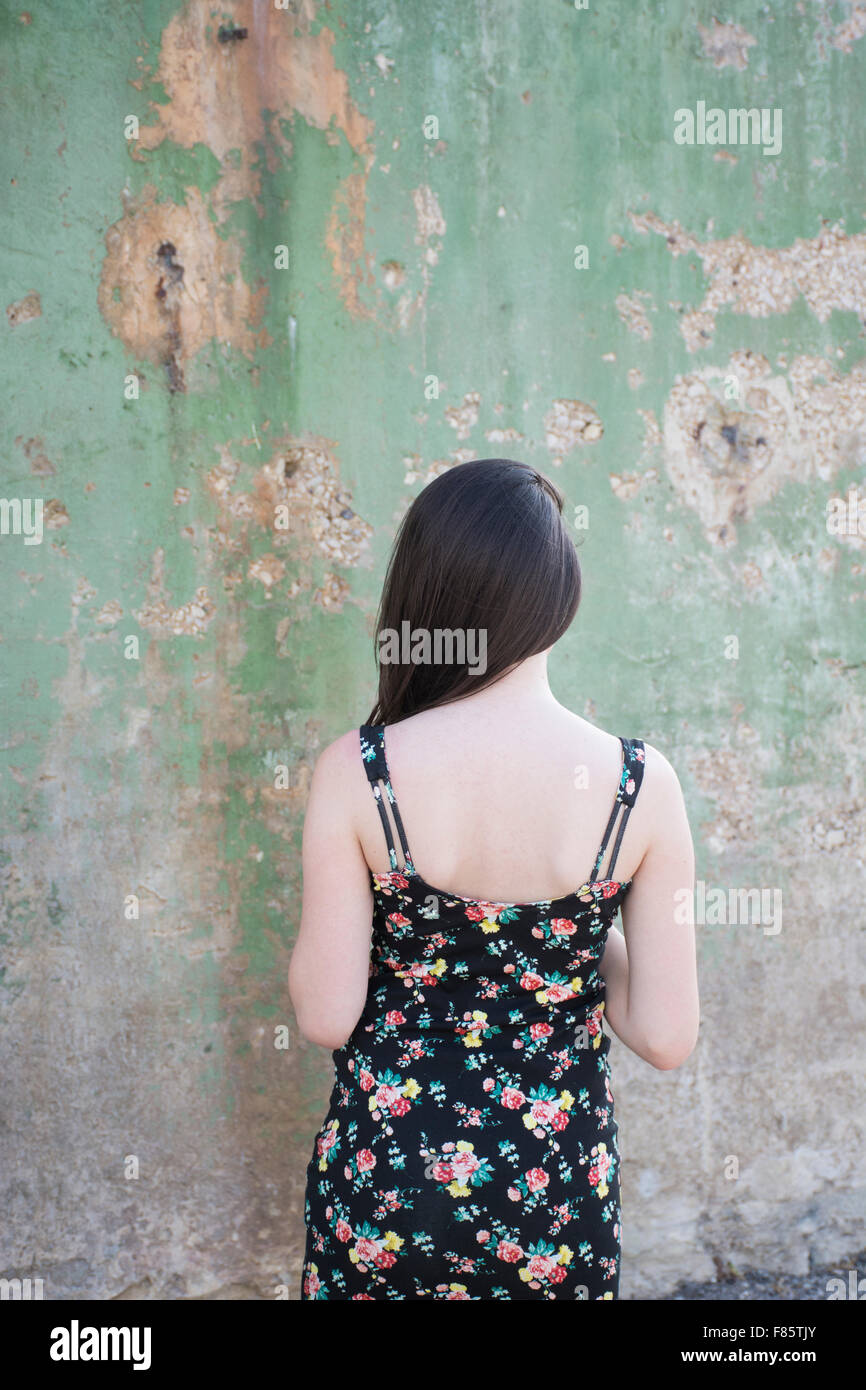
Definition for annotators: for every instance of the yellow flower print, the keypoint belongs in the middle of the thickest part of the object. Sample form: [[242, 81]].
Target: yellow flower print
[[607, 1295], [525, 1274], [566, 1100], [438, 968], [577, 984], [392, 1241], [458, 1189], [473, 1037], [565, 1255], [489, 926], [529, 1120], [411, 1089], [541, 996]]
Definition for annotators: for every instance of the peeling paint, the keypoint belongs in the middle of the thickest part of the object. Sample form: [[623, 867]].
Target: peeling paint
[[568, 423], [170, 285], [23, 310], [727, 44], [828, 270], [727, 457], [464, 417], [633, 313]]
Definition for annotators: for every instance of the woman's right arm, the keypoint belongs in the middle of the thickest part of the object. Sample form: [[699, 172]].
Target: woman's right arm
[[651, 972]]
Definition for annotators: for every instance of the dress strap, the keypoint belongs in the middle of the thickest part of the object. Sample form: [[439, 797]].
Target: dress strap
[[633, 757], [376, 767]]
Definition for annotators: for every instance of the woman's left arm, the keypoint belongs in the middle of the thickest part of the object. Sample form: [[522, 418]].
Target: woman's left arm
[[330, 964]]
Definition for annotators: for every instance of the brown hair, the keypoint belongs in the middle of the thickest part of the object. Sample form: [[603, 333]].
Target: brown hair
[[484, 546]]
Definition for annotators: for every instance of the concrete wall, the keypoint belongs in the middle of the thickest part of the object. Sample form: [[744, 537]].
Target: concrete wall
[[267, 270]]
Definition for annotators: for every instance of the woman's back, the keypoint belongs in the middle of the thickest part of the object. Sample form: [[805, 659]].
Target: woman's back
[[499, 808]]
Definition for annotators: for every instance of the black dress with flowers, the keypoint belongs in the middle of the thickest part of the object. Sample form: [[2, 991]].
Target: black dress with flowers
[[470, 1148]]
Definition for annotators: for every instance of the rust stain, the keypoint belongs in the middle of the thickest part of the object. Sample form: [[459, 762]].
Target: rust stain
[[828, 270], [170, 284]]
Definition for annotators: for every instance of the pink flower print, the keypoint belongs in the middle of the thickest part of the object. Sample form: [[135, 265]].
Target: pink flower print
[[528, 980], [312, 1283], [366, 1080], [556, 993], [514, 1194], [442, 1172], [509, 1252], [398, 920], [482, 1237], [541, 1266], [343, 1231], [536, 1179], [463, 1165], [400, 1105], [366, 1160], [561, 926], [394, 1017], [512, 1099], [386, 1097], [542, 1111], [540, 1030], [560, 1120], [366, 1249]]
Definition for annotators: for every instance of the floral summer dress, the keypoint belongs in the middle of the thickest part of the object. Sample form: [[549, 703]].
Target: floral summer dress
[[470, 1150]]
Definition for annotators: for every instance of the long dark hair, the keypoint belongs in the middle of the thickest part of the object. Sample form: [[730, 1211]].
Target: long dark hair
[[482, 547]]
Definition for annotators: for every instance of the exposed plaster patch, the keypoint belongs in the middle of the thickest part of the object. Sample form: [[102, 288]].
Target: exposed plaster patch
[[23, 310], [268, 570], [300, 477], [332, 593], [635, 378], [431, 224], [414, 465], [568, 423], [463, 418], [852, 28], [506, 436], [729, 454], [109, 614], [221, 94], [170, 284], [727, 44], [828, 270], [633, 313], [731, 777], [430, 229], [159, 618]]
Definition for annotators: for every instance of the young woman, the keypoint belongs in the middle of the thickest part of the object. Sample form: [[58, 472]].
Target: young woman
[[456, 949]]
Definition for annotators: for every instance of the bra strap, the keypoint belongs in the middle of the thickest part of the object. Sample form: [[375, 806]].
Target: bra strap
[[633, 757], [376, 767]]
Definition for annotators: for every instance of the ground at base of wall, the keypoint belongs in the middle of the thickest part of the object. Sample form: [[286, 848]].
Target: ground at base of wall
[[787, 1288]]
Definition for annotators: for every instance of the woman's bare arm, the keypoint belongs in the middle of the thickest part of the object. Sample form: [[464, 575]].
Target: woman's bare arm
[[651, 972], [329, 968]]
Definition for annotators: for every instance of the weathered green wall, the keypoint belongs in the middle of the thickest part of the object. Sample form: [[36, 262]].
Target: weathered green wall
[[699, 386]]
